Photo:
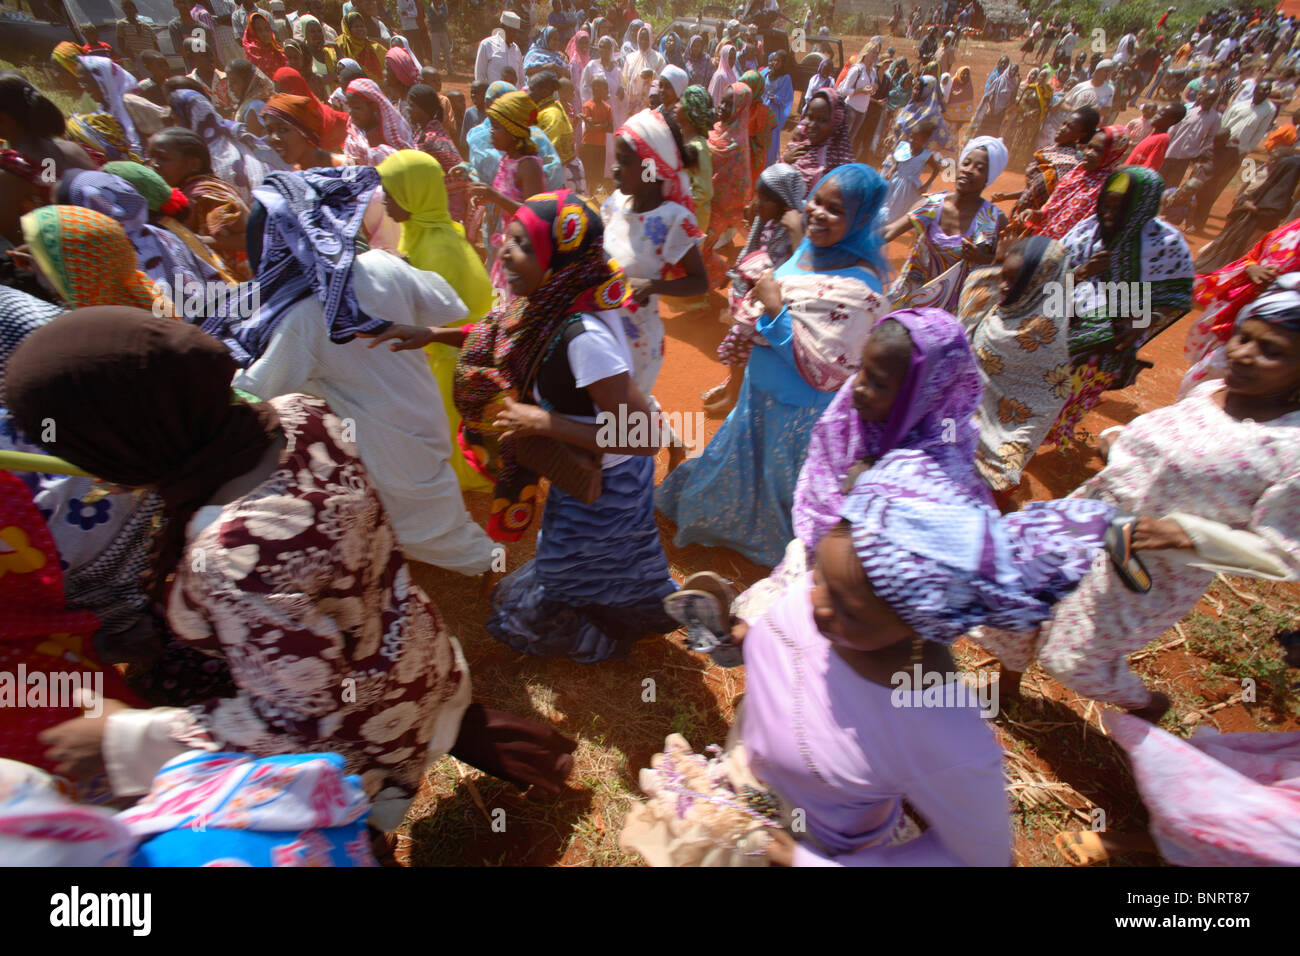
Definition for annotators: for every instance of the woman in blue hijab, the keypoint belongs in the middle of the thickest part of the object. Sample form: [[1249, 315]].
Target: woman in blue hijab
[[810, 321], [778, 93]]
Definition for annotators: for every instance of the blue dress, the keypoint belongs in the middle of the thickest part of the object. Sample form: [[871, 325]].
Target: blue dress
[[740, 493]]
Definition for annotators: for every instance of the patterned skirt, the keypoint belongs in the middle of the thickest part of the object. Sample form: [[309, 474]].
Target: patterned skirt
[[599, 578], [739, 493]]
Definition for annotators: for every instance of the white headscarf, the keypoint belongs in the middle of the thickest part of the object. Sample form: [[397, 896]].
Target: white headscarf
[[114, 83], [997, 151], [677, 77]]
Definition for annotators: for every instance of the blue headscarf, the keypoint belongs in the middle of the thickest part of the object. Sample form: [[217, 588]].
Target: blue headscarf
[[542, 55], [484, 158], [302, 238], [863, 193]]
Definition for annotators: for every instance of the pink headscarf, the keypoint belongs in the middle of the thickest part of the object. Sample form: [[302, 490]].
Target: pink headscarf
[[649, 135], [725, 74], [403, 65], [394, 130]]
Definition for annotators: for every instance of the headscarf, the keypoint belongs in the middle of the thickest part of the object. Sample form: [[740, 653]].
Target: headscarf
[[302, 238], [332, 125], [114, 83], [917, 111], [541, 55], [402, 65], [302, 113], [364, 52], [394, 131], [961, 92], [484, 158], [676, 76], [996, 151], [1075, 196], [699, 108], [161, 255], [700, 67], [786, 182], [66, 54], [836, 150], [100, 134], [946, 563], [673, 52], [630, 37], [267, 57], [238, 157], [647, 132], [177, 429], [1279, 305], [430, 240], [259, 87], [87, 256], [725, 74], [516, 112], [1004, 90], [499, 353], [862, 191], [900, 94], [941, 392], [754, 80], [397, 40], [998, 70], [577, 60]]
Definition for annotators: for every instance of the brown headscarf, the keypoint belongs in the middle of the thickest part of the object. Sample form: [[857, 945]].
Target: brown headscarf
[[139, 401]]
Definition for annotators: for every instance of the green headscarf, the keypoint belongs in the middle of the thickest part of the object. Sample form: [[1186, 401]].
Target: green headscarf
[[147, 183], [754, 80], [699, 107]]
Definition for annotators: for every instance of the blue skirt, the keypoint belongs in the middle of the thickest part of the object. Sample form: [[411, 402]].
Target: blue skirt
[[598, 581], [740, 493]]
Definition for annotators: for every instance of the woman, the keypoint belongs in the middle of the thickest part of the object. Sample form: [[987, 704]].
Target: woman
[[606, 66], [779, 95], [698, 64], [695, 117], [996, 101], [31, 124], [376, 129], [1075, 196], [238, 157], [578, 52], [261, 48], [645, 57], [511, 118], [432, 240], [1221, 466], [955, 231], [814, 314], [1123, 242], [294, 127], [1050, 164], [762, 124], [278, 481], [822, 140], [215, 210], [1020, 340], [1224, 293], [334, 123], [922, 108], [724, 75], [431, 137], [1255, 211], [107, 83], [599, 576], [85, 259], [251, 88], [317, 298], [732, 187], [161, 255], [650, 231], [323, 56], [401, 72], [546, 54], [1030, 108], [960, 106], [354, 44]]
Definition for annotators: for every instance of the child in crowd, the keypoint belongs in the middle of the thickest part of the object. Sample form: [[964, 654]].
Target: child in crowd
[[903, 171], [598, 122]]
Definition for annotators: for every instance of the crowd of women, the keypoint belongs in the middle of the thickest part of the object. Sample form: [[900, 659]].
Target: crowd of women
[[263, 328]]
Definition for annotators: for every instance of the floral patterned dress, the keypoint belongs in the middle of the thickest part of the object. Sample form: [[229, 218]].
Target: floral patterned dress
[[1235, 487], [301, 587], [935, 270]]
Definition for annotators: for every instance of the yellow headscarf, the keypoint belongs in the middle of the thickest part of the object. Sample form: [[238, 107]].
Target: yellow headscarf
[[66, 55], [430, 240], [517, 114]]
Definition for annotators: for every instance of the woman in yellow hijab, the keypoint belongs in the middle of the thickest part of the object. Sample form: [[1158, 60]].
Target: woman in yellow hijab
[[416, 196]]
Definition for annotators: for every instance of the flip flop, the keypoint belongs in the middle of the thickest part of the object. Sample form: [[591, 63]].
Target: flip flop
[[1119, 545], [1081, 847], [714, 584], [703, 615]]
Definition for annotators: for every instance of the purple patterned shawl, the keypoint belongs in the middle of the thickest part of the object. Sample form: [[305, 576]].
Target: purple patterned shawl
[[947, 562], [934, 411]]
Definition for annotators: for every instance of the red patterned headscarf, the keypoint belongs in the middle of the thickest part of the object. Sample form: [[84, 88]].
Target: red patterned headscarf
[[500, 353], [1075, 196], [647, 132]]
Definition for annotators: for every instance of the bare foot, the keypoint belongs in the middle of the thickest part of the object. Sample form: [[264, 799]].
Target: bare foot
[[1153, 711], [714, 394]]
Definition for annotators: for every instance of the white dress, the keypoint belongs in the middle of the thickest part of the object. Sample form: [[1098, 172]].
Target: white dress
[[393, 402]]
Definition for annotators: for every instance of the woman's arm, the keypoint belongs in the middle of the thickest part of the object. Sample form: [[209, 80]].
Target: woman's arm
[[619, 400], [695, 282], [898, 228], [404, 337]]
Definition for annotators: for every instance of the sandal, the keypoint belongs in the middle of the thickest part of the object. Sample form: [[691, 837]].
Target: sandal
[[1119, 545], [1081, 847], [703, 616]]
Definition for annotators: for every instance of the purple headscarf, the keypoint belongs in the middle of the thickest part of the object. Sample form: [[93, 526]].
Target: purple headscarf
[[946, 562], [933, 412]]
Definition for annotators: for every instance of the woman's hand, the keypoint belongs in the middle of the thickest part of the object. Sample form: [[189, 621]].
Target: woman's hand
[[482, 194], [76, 746], [1155, 534], [1261, 274], [521, 420], [768, 291], [794, 151], [977, 255], [402, 337], [1097, 264], [780, 851], [641, 290], [1105, 443]]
